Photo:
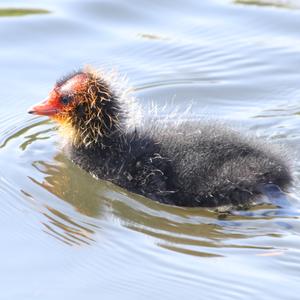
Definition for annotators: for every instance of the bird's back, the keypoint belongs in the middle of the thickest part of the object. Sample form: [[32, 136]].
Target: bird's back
[[187, 164], [214, 165]]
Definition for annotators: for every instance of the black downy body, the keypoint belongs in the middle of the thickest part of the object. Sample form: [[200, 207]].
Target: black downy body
[[184, 164]]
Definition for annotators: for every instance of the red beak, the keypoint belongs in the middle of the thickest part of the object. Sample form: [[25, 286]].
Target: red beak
[[43, 109], [48, 107]]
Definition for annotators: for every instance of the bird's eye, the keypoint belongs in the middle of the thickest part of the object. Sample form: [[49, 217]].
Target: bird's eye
[[65, 99]]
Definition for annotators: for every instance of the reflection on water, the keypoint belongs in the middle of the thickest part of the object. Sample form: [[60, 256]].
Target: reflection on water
[[68, 182], [63, 228], [61, 179], [76, 237], [18, 12], [198, 232], [275, 3], [150, 36]]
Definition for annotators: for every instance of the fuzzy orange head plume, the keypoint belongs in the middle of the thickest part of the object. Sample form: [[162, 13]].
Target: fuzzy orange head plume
[[85, 105]]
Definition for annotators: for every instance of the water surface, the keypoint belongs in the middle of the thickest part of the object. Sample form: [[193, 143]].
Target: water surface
[[66, 235]]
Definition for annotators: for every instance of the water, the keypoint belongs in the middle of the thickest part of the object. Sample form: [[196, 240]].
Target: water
[[67, 236]]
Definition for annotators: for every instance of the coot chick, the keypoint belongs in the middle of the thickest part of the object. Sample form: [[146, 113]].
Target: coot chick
[[183, 163]]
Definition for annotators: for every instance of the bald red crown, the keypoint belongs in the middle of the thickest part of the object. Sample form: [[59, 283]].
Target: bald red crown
[[56, 101]]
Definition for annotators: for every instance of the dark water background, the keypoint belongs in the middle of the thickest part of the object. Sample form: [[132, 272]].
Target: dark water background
[[65, 235]]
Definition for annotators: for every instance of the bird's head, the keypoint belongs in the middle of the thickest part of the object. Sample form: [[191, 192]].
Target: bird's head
[[85, 105]]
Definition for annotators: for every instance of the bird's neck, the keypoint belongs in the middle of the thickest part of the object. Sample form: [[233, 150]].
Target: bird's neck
[[98, 122]]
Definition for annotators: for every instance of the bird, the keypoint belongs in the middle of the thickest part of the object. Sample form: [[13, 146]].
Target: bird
[[188, 163]]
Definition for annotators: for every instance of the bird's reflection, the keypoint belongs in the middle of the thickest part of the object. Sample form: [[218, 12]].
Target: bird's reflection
[[200, 232], [67, 182]]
